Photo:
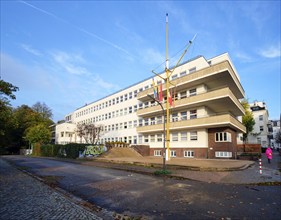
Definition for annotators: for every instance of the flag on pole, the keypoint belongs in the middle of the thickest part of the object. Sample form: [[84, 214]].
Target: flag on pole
[[161, 93], [170, 97], [154, 90]]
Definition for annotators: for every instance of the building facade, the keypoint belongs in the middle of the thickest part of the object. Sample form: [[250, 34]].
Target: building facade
[[204, 117], [262, 131]]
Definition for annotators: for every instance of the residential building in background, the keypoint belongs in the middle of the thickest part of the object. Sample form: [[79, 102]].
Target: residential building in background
[[262, 132], [275, 124], [204, 118]]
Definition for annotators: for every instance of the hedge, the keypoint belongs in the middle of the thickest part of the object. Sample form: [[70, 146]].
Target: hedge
[[57, 150]]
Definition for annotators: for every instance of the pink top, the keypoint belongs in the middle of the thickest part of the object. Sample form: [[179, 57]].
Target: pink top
[[268, 153]]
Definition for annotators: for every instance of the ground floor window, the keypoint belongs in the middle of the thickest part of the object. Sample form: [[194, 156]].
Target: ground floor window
[[223, 137], [157, 153], [173, 153], [189, 153], [223, 154]]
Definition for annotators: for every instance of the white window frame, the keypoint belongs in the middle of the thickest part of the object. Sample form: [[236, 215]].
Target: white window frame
[[173, 153], [193, 136], [222, 137], [223, 154], [157, 153], [189, 153], [183, 136]]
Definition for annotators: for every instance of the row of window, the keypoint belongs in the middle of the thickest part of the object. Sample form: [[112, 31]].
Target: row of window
[[182, 136], [179, 116], [134, 94], [187, 153]]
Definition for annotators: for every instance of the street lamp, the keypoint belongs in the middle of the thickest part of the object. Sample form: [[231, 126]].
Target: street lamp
[[164, 129]]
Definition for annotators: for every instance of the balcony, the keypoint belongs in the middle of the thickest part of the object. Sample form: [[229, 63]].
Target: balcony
[[225, 120], [220, 100], [218, 75]]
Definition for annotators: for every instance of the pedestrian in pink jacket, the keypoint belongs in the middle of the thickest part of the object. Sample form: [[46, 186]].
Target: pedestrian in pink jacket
[[268, 153]]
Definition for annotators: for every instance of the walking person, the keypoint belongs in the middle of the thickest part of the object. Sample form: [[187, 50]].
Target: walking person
[[268, 153]]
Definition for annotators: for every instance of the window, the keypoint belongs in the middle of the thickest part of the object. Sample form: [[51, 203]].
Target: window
[[125, 125], [140, 122], [135, 93], [159, 119], [140, 139], [152, 121], [117, 113], [192, 92], [116, 127], [121, 98], [113, 102], [223, 154], [174, 76], [223, 137], [261, 128], [135, 123], [126, 97], [117, 100], [113, 114], [62, 134], [130, 124], [183, 73], [135, 139], [145, 138], [130, 95], [189, 153], [121, 125], [261, 117], [173, 153], [130, 110], [174, 117], [125, 111], [146, 87], [135, 108], [157, 153], [183, 116], [152, 138], [121, 112], [112, 127], [183, 136], [192, 70], [146, 121], [159, 137], [193, 135], [193, 114], [140, 105], [175, 137], [183, 95]]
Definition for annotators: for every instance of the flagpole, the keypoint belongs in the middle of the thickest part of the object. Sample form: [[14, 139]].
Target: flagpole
[[167, 91]]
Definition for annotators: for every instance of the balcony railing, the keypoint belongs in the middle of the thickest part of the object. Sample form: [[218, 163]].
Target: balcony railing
[[220, 100], [224, 120]]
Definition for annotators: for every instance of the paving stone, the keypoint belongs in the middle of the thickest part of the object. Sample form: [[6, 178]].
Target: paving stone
[[23, 197]]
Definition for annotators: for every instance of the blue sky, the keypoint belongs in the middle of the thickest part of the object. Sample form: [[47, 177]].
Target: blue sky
[[68, 53]]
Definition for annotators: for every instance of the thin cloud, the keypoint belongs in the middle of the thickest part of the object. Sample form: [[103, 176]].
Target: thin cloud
[[243, 57], [271, 52], [79, 28], [31, 50], [70, 63]]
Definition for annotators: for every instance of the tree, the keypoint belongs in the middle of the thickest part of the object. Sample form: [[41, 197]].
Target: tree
[[43, 110], [90, 132], [247, 120], [38, 134], [7, 89], [7, 122]]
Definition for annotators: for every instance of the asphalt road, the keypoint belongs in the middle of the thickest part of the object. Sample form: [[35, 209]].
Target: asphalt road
[[153, 197]]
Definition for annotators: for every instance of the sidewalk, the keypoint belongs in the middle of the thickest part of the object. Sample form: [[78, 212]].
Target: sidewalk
[[22, 197], [205, 170]]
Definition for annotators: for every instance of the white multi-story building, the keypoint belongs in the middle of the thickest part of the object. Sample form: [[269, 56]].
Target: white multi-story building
[[204, 119], [260, 133], [275, 125]]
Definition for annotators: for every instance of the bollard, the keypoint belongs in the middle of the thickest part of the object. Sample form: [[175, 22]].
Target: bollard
[[260, 166]]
